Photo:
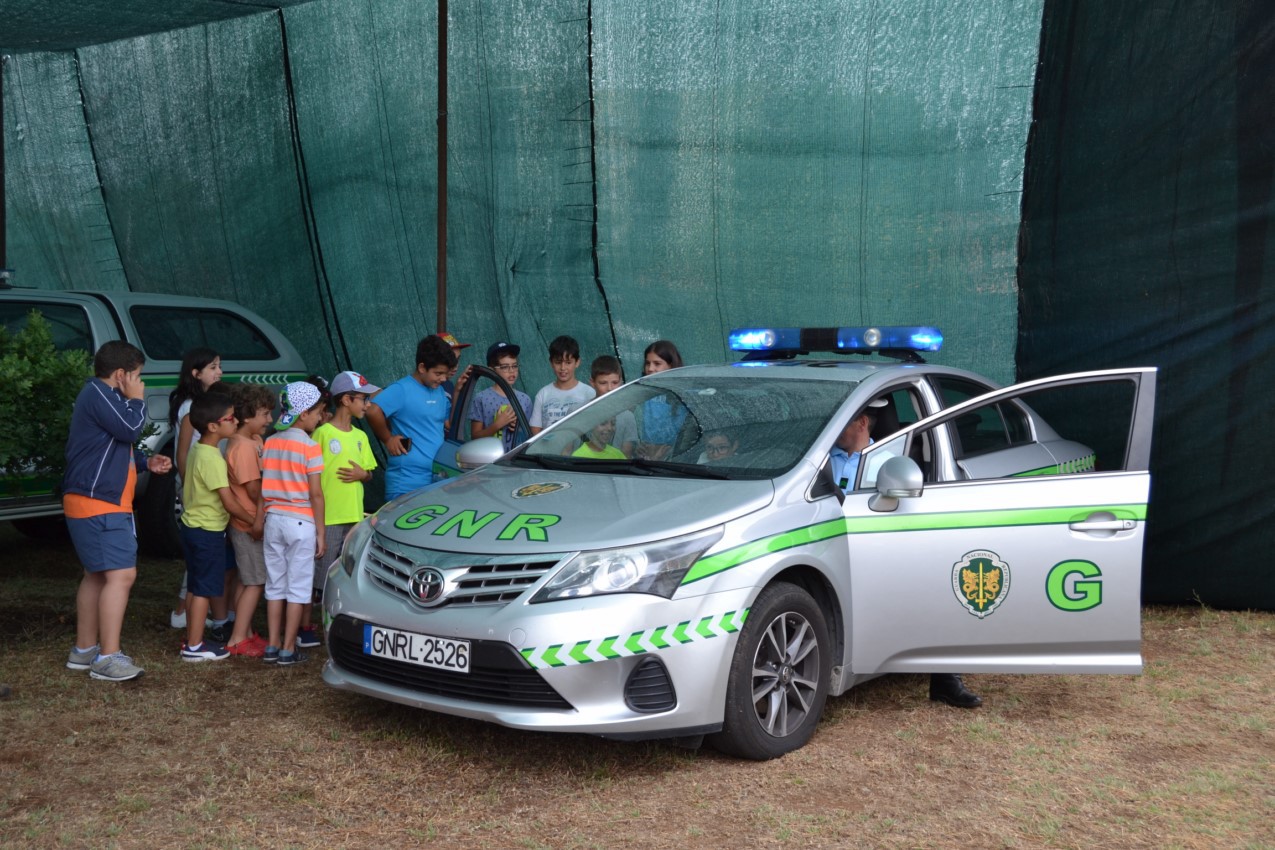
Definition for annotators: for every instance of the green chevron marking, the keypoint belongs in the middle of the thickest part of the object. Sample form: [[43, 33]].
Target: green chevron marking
[[577, 652], [703, 629], [727, 622], [551, 656], [632, 644], [657, 638], [527, 653], [679, 633], [607, 648]]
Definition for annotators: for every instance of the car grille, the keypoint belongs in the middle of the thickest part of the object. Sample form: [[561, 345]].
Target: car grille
[[497, 673], [486, 581]]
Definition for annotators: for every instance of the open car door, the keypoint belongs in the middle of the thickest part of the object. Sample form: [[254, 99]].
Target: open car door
[[1005, 533], [458, 425]]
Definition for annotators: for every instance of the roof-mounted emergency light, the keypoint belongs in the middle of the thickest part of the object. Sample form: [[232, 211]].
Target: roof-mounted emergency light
[[901, 341]]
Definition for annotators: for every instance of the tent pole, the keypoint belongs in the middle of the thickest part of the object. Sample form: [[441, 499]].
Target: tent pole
[[442, 166], [4, 257]]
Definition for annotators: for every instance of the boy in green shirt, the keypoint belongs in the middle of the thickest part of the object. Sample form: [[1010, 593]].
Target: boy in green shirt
[[207, 506], [347, 464]]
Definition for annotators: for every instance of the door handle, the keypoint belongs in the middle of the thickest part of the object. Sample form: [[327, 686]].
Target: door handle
[[1102, 521]]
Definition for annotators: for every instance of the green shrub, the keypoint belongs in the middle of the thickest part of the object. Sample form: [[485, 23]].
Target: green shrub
[[39, 386]]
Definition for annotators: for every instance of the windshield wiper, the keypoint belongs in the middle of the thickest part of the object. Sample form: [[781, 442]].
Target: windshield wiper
[[556, 462], [691, 470]]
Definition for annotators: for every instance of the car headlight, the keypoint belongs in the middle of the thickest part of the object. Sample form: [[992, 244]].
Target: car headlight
[[355, 542], [655, 568]]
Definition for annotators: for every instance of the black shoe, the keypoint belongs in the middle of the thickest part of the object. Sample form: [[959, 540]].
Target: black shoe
[[221, 633], [948, 688]]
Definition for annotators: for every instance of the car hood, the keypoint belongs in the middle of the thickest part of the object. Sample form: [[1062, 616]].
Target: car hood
[[510, 510]]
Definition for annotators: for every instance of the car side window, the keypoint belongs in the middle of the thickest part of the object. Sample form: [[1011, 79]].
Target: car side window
[[68, 323], [986, 429], [168, 332]]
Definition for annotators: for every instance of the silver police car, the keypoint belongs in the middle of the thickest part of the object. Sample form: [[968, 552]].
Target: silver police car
[[678, 558]]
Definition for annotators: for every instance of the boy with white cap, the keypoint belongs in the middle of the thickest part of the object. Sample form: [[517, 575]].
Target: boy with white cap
[[290, 519], [347, 465]]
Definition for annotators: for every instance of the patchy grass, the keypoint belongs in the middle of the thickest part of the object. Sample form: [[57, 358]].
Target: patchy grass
[[239, 755]]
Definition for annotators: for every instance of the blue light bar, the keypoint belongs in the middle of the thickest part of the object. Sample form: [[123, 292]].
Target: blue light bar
[[895, 338], [904, 338], [764, 339]]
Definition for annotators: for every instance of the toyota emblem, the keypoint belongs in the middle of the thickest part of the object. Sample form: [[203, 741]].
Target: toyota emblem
[[425, 587]]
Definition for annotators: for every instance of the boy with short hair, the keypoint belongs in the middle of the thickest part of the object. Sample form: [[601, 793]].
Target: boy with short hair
[[605, 374], [207, 505], [491, 413], [254, 405], [290, 518], [101, 475], [410, 415], [347, 465], [565, 394]]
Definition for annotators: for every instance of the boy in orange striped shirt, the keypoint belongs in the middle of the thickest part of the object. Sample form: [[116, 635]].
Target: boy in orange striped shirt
[[290, 520]]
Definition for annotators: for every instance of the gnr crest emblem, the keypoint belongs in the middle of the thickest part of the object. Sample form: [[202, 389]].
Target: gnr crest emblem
[[980, 581], [540, 489]]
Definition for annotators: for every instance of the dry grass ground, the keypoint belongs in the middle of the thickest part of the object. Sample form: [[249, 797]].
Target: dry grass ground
[[236, 754]]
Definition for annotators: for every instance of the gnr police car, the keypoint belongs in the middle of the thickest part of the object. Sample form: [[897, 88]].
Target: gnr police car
[[675, 591]]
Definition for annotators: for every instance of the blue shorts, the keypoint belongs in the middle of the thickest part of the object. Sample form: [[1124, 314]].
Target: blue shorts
[[105, 542], [205, 553]]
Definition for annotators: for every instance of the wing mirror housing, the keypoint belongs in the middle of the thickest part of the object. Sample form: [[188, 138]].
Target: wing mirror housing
[[898, 478], [480, 452]]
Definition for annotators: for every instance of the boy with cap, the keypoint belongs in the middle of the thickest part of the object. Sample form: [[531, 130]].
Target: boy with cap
[[290, 519], [491, 411], [347, 465]]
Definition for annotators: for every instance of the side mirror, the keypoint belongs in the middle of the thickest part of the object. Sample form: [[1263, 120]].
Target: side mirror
[[898, 478], [480, 452]]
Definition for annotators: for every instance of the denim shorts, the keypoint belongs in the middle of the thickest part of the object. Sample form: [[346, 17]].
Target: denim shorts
[[205, 553], [104, 542]]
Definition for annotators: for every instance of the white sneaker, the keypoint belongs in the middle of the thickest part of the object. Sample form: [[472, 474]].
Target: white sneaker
[[177, 621]]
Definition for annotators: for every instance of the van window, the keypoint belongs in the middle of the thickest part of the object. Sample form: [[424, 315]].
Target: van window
[[166, 333], [68, 323]]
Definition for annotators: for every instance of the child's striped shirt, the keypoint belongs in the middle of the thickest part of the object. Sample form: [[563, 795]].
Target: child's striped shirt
[[289, 459]]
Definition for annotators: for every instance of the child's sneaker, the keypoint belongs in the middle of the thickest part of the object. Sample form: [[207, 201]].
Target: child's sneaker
[[247, 648], [308, 637], [116, 667], [287, 659], [270, 654], [221, 633], [177, 621], [80, 659], [204, 651]]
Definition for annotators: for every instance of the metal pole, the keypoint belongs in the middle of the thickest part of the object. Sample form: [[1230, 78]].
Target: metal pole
[[4, 257], [442, 166]]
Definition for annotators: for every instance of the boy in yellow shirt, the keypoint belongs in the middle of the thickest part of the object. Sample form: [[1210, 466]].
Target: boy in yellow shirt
[[347, 465], [208, 505]]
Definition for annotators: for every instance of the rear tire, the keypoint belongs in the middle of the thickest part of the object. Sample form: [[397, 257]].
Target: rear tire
[[157, 512], [778, 677]]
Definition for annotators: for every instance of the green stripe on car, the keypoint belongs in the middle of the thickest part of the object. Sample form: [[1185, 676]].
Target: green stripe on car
[[887, 524]]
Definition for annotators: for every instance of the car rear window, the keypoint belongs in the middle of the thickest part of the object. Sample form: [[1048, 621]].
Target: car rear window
[[166, 333]]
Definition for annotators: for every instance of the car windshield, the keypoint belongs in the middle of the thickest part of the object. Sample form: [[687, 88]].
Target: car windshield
[[721, 427]]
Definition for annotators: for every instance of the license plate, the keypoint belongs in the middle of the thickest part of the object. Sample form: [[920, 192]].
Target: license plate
[[425, 650]]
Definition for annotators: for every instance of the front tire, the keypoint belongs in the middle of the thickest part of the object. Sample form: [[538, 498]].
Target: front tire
[[778, 677]]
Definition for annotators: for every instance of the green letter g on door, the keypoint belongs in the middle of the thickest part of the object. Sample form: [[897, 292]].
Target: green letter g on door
[[1075, 585]]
